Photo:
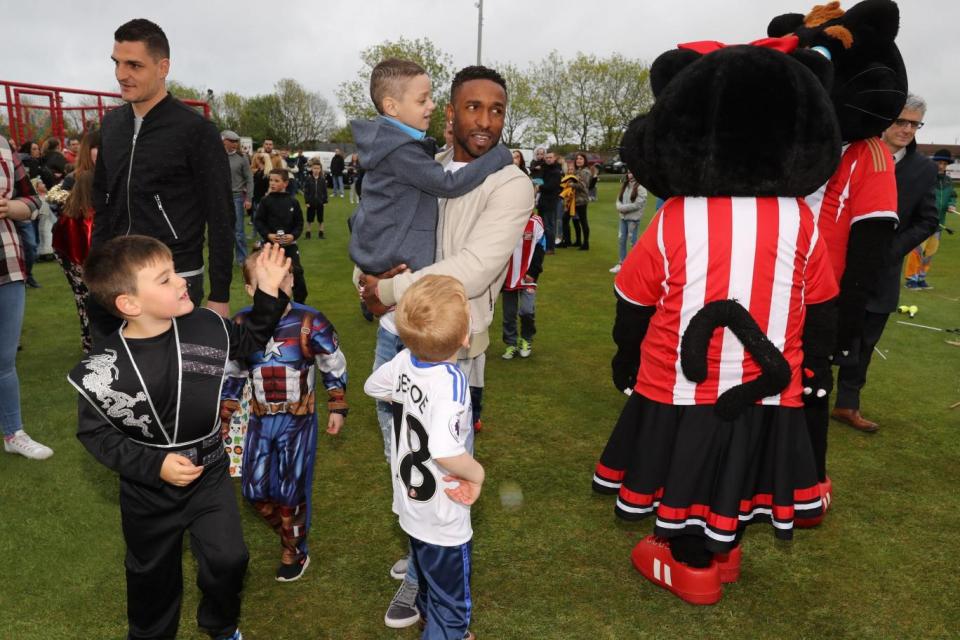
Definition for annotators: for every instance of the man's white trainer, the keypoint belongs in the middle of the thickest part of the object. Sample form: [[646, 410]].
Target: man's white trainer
[[26, 446]]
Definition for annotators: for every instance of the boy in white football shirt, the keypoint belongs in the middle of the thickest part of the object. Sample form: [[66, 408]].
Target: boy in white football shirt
[[435, 479]]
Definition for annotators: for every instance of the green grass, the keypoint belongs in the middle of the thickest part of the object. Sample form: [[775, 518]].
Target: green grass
[[883, 565]]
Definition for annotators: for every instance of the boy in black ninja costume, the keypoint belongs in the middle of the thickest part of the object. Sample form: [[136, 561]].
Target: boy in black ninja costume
[[149, 409]]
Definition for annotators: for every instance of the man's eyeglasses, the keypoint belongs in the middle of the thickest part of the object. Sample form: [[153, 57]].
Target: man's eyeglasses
[[903, 122]]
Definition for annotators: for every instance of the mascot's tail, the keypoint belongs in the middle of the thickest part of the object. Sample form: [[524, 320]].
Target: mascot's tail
[[775, 370]]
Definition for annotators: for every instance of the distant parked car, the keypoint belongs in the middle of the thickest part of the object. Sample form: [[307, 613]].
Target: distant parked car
[[614, 165]]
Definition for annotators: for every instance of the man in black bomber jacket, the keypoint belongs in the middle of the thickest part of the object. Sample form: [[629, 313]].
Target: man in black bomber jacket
[[161, 172]]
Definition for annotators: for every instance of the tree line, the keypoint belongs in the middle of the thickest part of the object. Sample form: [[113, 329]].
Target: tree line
[[585, 101]]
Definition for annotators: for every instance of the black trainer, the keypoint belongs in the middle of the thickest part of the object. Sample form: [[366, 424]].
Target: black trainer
[[291, 572]]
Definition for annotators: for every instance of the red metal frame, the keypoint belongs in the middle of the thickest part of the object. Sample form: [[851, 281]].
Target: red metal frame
[[18, 109]]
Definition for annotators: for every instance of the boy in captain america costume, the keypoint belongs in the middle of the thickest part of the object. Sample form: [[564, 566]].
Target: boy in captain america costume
[[281, 439]]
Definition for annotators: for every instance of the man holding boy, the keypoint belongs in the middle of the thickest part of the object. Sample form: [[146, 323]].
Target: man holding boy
[[149, 410], [476, 234]]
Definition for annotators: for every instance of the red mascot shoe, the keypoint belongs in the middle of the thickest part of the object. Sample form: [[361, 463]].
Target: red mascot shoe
[[826, 496], [729, 565], [652, 558]]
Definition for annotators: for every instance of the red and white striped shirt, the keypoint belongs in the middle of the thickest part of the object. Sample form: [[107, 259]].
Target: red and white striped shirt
[[523, 254], [763, 252], [863, 187]]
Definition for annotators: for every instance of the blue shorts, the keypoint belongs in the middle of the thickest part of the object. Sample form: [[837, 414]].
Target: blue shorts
[[444, 597]]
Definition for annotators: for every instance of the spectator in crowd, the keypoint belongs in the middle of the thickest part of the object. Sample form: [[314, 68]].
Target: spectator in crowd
[[353, 173], [315, 196], [17, 202], [280, 220], [73, 148], [918, 261], [241, 181], [594, 179], [917, 219], [260, 166], [268, 148], [519, 162], [74, 228], [33, 163], [580, 223], [359, 172], [631, 201], [336, 172], [54, 160], [163, 166], [536, 165], [549, 204]]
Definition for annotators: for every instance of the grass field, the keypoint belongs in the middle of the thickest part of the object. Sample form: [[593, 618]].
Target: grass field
[[883, 565]]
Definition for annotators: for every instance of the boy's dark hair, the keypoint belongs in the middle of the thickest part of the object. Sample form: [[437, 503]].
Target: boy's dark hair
[[389, 79], [475, 72], [149, 33], [283, 173], [111, 269]]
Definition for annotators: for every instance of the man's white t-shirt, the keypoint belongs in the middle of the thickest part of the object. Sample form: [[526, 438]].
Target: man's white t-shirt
[[431, 420]]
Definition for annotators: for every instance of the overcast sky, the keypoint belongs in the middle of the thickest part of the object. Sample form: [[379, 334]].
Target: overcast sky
[[243, 46]]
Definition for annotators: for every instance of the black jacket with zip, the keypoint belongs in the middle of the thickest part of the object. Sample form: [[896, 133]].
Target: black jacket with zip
[[177, 183]]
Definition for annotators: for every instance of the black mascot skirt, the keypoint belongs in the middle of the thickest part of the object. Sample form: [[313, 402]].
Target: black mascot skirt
[[702, 475]]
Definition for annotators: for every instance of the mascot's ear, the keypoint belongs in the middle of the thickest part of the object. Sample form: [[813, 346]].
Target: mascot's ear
[[818, 63], [668, 65], [784, 25], [874, 20]]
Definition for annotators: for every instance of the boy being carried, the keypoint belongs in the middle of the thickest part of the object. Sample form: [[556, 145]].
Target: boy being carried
[[280, 220], [435, 478], [281, 440], [148, 409], [396, 221]]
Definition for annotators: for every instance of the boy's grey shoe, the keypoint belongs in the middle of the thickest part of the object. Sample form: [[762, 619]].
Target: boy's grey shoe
[[402, 611], [399, 569]]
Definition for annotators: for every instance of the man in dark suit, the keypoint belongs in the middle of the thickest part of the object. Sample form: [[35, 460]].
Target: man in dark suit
[[916, 208]]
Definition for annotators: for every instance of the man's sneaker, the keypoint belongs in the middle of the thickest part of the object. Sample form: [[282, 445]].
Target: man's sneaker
[[26, 446], [236, 636], [615, 268], [911, 284], [923, 286], [524, 348], [402, 611], [510, 353], [399, 569], [291, 572]]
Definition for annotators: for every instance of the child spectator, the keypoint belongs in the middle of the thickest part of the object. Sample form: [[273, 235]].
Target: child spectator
[[569, 184], [431, 449], [148, 409], [281, 440], [280, 220], [396, 221], [315, 195], [520, 290]]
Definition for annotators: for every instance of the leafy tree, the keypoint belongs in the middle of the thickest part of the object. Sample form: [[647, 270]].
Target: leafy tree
[[551, 86], [582, 109], [258, 118], [521, 105], [354, 95], [302, 115], [185, 91], [623, 94]]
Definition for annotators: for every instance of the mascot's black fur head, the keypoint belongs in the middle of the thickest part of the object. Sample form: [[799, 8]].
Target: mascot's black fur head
[[870, 81], [739, 121]]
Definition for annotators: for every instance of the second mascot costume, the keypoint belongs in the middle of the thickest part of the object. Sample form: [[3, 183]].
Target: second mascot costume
[[714, 304], [857, 209]]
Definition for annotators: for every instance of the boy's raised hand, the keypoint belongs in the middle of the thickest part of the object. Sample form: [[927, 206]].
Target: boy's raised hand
[[271, 268]]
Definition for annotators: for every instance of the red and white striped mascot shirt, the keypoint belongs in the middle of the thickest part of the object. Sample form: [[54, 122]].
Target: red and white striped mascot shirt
[[765, 253]]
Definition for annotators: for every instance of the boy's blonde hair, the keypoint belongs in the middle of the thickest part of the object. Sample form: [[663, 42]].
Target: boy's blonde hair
[[433, 317], [390, 77], [249, 266], [111, 269]]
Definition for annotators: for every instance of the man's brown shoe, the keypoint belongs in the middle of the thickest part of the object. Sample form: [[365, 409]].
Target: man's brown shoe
[[853, 418]]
